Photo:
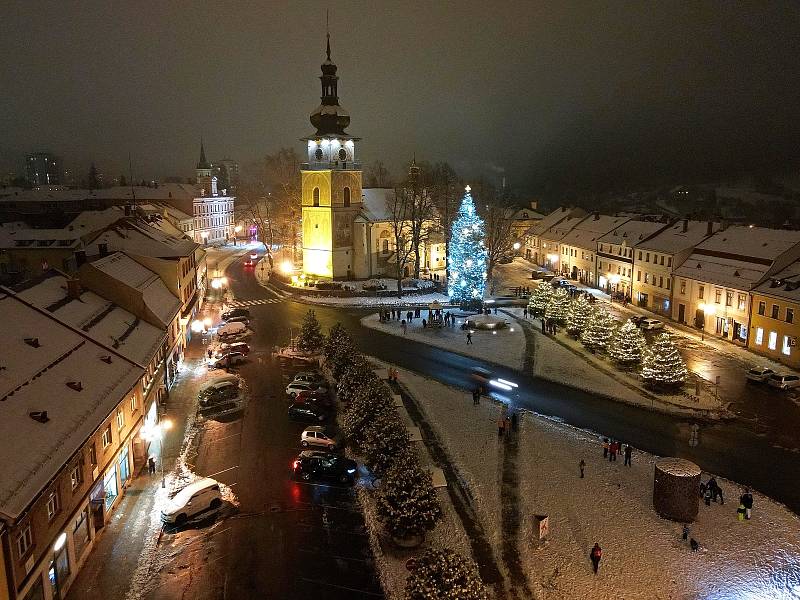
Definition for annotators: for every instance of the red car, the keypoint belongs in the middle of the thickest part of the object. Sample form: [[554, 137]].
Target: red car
[[315, 397]]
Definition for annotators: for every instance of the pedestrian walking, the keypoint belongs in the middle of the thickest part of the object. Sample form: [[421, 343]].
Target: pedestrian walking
[[694, 544], [612, 451], [476, 396], [210, 353], [741, 512], [715, 490], [685, 531], [595, 555], [582, 466], [605, 447], [747, 500], [404, 326], [501, 425], [424, 324], [514, 422], [628, 452], [707, 495], [416, 313], [469, 337], [507, 426], [544, 325], [151, 465], [525, 312]]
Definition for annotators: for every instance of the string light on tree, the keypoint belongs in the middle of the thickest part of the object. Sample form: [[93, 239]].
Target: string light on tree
[[598, 333], [557, 307], [627, 345], [539, 299], [468, 257], [662, 365], [578, 315]]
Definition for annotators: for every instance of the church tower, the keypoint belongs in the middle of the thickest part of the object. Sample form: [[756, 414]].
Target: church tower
[[331, 185], [204, 174]]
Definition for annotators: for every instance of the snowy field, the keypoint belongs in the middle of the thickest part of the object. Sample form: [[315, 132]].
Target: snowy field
[[643, 554], [506, 347], [387, 301]]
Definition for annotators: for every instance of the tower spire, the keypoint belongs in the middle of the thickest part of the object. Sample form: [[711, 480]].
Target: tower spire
[[328, 34], [203, 164]]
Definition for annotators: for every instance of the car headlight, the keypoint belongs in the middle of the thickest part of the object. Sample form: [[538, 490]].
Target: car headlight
[[351, 471]]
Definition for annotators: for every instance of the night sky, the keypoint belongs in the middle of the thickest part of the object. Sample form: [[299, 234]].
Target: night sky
[[553, 94]]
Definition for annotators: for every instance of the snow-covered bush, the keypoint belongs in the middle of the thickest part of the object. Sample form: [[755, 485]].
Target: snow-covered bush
[[385, 439], [539, 299], [355, 376], [444, 574], [579, 315], [627, 345], [557, 307], [310, 338], [407, 502], [366, 404], [337, 335], [598, 333], [424, 284]]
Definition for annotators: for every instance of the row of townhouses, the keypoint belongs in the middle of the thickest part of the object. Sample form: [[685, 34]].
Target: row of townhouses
[[94, 332], [741, 283]]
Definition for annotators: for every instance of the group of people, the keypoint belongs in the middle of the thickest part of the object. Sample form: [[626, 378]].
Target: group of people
[[612, 447], [549, 326], [711, 492], [506, 425]]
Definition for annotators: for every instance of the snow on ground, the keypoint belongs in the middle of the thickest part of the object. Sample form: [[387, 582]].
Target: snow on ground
[[506, 346], [643, 554], [388, 301]]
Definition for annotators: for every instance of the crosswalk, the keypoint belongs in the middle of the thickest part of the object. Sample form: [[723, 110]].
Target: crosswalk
[[244, 303]]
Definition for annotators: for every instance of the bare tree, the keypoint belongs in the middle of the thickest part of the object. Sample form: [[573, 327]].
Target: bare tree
[[495, 208], [445, 187], [402, 209], [377, 175], [421, 212]]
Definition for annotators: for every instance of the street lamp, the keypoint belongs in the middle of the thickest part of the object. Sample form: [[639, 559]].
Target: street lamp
[[236, 231], [156, 432]]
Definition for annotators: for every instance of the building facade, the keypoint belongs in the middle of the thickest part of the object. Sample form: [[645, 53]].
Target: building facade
[[615, 255], [579, 247], [775, 317]]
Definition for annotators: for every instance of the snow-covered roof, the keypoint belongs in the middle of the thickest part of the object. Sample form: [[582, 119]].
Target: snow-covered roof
[[631, 232], [674, 239], [586, 233], [155, 295], [33, 379], [523, 214], [756, 242], [71, 236], [722, 271], [106, 323], [165, 192], [783, 284], [560, 229], [136, 237], [550, 219], [377, 204]]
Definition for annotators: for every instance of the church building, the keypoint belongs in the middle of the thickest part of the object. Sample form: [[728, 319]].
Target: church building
[[347, 230]]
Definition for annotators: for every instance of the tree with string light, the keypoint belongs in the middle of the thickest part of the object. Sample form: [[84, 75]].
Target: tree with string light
[[467, 260], [627, 345], [557, 307], [578, 315], [662, 365], [598, 333], [540, 298]]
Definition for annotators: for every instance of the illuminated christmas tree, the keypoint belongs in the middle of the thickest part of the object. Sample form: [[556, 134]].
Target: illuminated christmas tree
[[539, 299], [468, 257], [578, 315], [557, 307], [662, 365], [598, 333], [627, 345]]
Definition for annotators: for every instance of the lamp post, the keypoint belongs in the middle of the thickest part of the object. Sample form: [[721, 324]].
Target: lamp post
[[236, 231]]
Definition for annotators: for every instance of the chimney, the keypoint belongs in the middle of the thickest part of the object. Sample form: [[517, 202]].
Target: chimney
[[73, 288], [710, 228], [103, 248], [80, 258], [685, 225]]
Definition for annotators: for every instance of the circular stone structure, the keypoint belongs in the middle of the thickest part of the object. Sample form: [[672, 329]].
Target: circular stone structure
[[487, 322], [676, 489]]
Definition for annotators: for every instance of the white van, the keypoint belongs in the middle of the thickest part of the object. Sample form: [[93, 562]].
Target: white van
[[230, 330], [195, 498]]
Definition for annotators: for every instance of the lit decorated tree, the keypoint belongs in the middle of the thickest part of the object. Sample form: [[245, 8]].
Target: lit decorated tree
[[578, 315], [539, 299], [467, 261], [407, 501], [627, 345], [662, 365], [446, 575], [310, 338], [598, 333], [557, 307]]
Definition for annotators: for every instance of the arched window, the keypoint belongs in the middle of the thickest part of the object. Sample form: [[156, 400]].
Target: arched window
[[347, 196], [316, 196]]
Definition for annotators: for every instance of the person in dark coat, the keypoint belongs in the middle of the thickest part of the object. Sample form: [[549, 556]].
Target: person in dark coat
[[747, 501], [612, 451], [582, 466], [595, 555], [715, 491], [544, 325], [469, 337], [605, 447], [514, 422], [628, 452], [476, 396], [151, 465]]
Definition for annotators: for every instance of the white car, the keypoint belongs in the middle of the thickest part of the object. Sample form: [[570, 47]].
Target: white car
[[296, 387], [229, 359], [651, 324], [783, 382], [316, 436], [197, 497], [760, 374], [309, 377]]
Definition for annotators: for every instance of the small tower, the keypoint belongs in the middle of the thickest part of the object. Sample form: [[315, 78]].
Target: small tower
[[331, 184], [204, 173]]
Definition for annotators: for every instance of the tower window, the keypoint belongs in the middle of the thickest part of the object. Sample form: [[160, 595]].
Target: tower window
[[347, 196], [316, 196]]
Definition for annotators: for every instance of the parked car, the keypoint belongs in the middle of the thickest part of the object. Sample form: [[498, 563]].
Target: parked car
[[218, 392], [243, 320], [254, 256], [783, 382], [229, 359], [309, 377], [296, 387], [504, 260], [328, 285], [230, 330], [316, 436], [306, 413], [559, 282], [315, 465], [232, 347], [373, 285], [235, 312], [315, 397], [759, 374], [249, 262], [636, 320], [195, 498], [651, 324]]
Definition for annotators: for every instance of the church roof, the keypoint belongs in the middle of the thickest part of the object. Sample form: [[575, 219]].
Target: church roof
[[376, 204], [203, 164]]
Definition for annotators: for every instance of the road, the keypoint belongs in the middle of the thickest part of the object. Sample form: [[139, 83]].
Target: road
[[741, 449]]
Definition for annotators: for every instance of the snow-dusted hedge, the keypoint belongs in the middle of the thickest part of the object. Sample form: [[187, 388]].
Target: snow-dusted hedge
[[407, 501], [445, 574]]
